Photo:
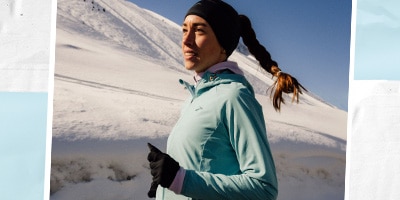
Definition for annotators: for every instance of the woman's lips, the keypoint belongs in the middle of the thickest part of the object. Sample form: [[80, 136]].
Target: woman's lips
[[190, 55]]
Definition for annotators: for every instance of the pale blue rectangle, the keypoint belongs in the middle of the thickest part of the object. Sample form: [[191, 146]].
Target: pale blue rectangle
[[23, 124], [377, 40]]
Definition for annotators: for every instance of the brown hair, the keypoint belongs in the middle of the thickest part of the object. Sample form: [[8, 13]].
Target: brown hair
[[284, 82]]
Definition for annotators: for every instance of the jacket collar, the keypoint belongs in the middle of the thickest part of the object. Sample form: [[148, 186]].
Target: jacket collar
[[219, 67], [227, 72]]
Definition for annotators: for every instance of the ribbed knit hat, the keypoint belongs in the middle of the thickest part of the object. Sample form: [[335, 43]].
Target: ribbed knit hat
[[223, 19]]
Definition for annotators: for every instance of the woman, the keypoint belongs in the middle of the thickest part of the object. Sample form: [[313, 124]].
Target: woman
[[219, 149]]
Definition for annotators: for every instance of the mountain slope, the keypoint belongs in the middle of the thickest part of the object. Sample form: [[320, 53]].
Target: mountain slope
[[122, 24]]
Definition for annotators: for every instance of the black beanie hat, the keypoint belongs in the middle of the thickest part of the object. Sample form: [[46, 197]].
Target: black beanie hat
[[223, 19]]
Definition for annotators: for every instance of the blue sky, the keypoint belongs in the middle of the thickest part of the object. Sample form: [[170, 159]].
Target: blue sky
[[309, 39]]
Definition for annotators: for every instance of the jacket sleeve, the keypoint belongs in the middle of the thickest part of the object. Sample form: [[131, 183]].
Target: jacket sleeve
[[247, 134]]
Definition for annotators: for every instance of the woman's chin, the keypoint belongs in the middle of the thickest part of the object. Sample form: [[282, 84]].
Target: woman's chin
[[190, 66]]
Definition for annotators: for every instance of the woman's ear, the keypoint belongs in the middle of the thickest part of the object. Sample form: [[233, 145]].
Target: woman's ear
[[223, 51], [223, 56]]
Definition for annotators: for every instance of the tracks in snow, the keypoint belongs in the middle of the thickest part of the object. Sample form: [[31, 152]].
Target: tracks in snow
[[113, 88]]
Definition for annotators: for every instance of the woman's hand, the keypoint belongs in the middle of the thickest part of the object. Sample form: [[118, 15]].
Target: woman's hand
[[163, 169]]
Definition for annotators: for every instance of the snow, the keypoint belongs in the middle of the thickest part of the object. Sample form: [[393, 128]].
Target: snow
[[116, 88]]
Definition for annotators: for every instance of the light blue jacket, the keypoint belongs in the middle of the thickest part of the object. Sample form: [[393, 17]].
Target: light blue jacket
[[220, 139]]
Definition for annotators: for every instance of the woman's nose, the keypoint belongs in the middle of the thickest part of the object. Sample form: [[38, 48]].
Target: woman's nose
[[188, 38]]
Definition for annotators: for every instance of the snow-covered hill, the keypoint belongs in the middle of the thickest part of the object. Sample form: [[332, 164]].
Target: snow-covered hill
[[116, 88]]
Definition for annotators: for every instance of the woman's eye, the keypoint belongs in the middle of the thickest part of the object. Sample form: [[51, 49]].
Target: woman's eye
[[200, 30]]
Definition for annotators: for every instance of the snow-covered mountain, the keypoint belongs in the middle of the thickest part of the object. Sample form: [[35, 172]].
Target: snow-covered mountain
[[116, 88]]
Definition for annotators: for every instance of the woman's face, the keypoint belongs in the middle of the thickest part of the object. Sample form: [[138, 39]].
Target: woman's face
[[200, 46]]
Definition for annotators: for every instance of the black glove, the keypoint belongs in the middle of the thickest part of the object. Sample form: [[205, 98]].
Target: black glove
[[163, 169]]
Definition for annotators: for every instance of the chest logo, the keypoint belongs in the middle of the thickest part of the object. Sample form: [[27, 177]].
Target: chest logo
[[198, 108]]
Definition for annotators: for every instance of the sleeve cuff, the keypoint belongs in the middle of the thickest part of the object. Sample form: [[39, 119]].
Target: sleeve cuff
[[177, 183]]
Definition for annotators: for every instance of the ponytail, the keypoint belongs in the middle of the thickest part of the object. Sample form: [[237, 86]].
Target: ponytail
[[284, 82]]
